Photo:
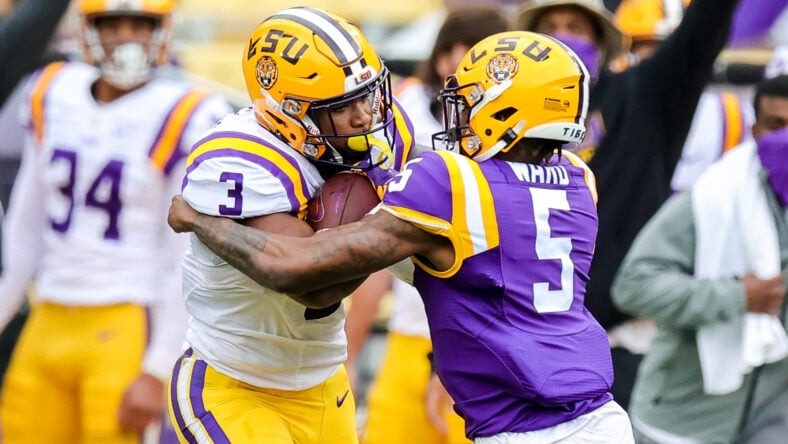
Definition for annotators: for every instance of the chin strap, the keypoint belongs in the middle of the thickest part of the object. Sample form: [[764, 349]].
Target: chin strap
[[506, 139]]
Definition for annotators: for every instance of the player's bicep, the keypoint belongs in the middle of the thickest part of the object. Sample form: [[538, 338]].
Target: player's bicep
[[280, 223]]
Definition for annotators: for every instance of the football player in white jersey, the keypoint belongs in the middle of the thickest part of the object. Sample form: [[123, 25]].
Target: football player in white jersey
[[261, 367], [87, 227]]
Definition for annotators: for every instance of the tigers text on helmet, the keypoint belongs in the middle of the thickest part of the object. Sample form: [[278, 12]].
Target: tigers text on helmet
[[129, 64], [302, 61], [510, 86]]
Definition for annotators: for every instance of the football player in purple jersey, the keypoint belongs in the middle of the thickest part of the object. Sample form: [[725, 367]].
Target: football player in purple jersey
[[501, 226]]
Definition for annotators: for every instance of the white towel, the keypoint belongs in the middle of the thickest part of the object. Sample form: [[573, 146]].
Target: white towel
[[736, 235]]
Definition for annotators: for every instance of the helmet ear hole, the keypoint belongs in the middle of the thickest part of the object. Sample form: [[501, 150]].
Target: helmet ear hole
[[274, 117], [504, 114]]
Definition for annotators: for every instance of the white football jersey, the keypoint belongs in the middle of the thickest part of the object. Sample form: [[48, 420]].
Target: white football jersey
[[408, 316], [244, 330], [108, 180], [88, 213], [413, 95], [721, 122]]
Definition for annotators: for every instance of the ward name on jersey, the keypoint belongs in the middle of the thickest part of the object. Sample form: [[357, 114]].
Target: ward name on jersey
[[553, 175]]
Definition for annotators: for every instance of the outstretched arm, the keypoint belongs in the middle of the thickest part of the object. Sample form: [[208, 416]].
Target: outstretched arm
[[298, 266]]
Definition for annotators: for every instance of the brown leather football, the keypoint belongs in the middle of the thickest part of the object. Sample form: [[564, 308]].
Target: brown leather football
[[343, 198]]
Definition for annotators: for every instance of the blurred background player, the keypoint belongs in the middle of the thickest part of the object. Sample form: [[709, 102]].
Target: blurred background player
[[104, 152], [395, 406], [21, 52], [261, 367], [722, 116], [500, 226], [637, 123]]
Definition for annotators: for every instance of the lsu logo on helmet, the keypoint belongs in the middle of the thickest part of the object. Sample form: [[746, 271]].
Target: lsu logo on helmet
[[266, 72], [502, 67]]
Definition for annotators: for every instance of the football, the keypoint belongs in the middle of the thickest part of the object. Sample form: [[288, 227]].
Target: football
[[343, 198]]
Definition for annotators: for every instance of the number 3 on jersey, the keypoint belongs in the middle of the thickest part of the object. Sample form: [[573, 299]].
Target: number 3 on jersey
[[234, 194]]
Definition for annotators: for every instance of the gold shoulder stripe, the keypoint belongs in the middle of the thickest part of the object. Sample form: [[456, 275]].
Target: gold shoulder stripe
[[404, 85], [588, 175], [167, 140], [48, 75], [405, 135], [257, 153], [734, 121], [473, 206]]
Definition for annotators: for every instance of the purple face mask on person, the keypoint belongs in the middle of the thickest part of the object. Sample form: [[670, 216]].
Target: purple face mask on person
[[585, 50], [773, 152]]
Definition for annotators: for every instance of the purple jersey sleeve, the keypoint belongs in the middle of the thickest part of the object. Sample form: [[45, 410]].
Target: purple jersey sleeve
[[421, 193]]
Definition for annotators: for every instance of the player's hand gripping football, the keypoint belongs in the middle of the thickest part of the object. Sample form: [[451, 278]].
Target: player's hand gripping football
[[181, 216]]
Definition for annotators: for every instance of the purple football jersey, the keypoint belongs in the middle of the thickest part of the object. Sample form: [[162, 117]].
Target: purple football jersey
[[513, 342]]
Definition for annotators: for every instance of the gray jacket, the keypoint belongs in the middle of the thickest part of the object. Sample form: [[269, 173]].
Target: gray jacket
[[656, 281]]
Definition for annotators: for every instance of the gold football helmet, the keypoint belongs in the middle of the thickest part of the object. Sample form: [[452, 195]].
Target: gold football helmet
[[129, 64], [510, 86], [303, 60]]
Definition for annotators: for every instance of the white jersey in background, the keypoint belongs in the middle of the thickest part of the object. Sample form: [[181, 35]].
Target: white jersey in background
[[104, 175], [722, 121], [408, 317], [413, 96]]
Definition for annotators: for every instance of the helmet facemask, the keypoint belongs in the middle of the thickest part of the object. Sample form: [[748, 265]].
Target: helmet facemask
[[460, 105], [458, 101], [130, 64], [365, 149]]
